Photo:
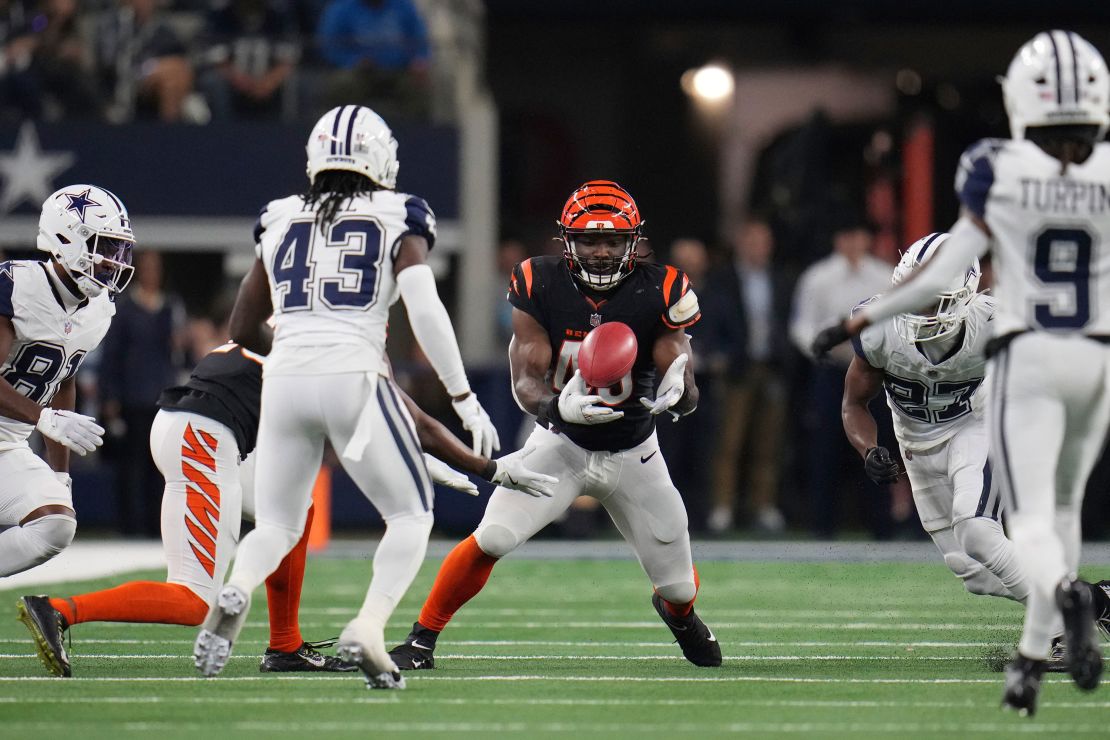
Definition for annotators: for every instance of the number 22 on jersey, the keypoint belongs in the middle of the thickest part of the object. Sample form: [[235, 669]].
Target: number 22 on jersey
[[568, 363], [342, 270]]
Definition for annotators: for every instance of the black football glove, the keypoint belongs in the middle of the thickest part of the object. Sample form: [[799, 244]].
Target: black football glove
[[880, 467], [828, 338]]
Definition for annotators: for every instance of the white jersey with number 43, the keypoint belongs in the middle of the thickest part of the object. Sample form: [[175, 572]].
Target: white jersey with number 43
[[931, 401], [332, 288], [1051, 234]]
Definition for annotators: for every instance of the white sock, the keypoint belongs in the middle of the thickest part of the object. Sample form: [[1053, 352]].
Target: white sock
[[259, 555], [25, 546], [985, 541], [396, 562]]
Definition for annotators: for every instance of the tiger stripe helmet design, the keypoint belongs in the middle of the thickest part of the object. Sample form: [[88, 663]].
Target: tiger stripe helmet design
[[600, 207]]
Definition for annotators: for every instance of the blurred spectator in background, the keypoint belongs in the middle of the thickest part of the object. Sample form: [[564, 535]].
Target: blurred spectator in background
[[380, 51], [510, 253], [684, 445], [252, 51], [142, 63], [829, 288], [749, 301], [46, 64], [142, 355]]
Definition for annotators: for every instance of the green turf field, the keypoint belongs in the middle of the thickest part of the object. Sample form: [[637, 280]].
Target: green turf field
[[557, 648]]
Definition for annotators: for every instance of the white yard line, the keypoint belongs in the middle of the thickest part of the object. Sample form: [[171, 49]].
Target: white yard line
[[555, 679], [669, 656], [566, 643]]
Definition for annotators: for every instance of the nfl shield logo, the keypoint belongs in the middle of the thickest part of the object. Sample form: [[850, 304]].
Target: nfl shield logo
[[595, 319], [68, 327]]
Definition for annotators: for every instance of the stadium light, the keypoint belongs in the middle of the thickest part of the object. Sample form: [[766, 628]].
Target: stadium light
[[711, 83]]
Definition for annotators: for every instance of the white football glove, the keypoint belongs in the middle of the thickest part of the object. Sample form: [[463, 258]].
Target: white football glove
[[78, 432], [512, 473], [476, 421], [670, 388], [575, 407], [444, 474]]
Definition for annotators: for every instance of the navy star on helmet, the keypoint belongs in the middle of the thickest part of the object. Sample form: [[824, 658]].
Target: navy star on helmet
[[79, 202], [87, 230], [946, 316]]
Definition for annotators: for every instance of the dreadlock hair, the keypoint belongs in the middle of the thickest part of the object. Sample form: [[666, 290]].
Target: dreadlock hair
[[332, 189], [1069, 144]]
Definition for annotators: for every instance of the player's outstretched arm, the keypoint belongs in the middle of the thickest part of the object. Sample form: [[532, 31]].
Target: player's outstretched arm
[[677, 392], [968, 240], [529, 359], [861, 384], [253, 307], [433, 331], [438, 441]]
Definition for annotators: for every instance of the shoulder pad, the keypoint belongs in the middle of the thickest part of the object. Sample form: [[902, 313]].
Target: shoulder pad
[[419, 219], [975, 174]]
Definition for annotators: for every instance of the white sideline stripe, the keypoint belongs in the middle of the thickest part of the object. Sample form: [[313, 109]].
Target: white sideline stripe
[[394, 699], [578, 644], [563, 679], [711, 612], [669, 656]]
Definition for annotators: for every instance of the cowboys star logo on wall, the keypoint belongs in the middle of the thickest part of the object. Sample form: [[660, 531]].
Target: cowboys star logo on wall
[[28, 172]]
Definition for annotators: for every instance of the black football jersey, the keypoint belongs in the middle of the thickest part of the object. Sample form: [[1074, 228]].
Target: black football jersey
[[650, 300], [226, 385]]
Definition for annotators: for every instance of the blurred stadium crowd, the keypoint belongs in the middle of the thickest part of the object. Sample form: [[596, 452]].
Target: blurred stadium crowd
[[765, 453]]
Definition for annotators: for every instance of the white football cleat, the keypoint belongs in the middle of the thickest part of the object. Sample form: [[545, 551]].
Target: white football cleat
[[362, 643], [225, 619]]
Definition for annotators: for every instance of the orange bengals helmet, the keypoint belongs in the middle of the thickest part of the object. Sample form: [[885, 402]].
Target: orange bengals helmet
[[600, 208]]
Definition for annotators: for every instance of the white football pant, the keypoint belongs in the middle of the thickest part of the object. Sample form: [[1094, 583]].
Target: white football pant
[[300, 413], [960, 509], [1050, 408], [27, 483], [633, 485]]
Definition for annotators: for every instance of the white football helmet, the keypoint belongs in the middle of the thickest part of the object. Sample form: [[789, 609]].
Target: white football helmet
[[354, 138], [1058, 78], [86, 228], [945, 317]]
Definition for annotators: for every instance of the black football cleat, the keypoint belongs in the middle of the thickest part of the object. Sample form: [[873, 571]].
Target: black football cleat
[[1101, 593], [1057, 662], [48, 628], [303, 659], [415, 653], [698, 644], [1083, 655], [1023, 683]]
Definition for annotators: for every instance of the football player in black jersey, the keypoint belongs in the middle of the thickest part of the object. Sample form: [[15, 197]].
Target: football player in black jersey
[[598, 442], [200, 435]]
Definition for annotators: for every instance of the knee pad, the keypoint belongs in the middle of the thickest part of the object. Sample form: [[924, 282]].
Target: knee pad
[[52, 533], [678, 593], [496, 540], [977, 579], [980, 538]]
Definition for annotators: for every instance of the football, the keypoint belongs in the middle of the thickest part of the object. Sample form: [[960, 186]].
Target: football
[[607, 354]]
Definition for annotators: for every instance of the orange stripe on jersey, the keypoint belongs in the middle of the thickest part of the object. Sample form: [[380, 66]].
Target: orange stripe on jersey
[[668, 283], [193, 450], [685, 285], [526, 268]]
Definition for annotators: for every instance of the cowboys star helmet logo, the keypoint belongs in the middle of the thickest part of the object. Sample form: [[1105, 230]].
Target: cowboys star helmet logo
[[80, 202]]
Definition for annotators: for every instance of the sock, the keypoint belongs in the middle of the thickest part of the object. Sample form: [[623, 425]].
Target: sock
[[683, 610], [283, 595], [464, 572], [137, 601]]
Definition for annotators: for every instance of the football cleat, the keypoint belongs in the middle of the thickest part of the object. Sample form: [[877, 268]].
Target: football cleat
[[1023, 683], [698, 644], [305, 658], [225, 619], [48, 628], [1083, 654], [415, 653], [1057, 662], [362, 644], [1102, 616]]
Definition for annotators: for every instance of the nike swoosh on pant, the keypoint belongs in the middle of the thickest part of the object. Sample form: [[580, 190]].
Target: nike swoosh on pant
[[645, 459]]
